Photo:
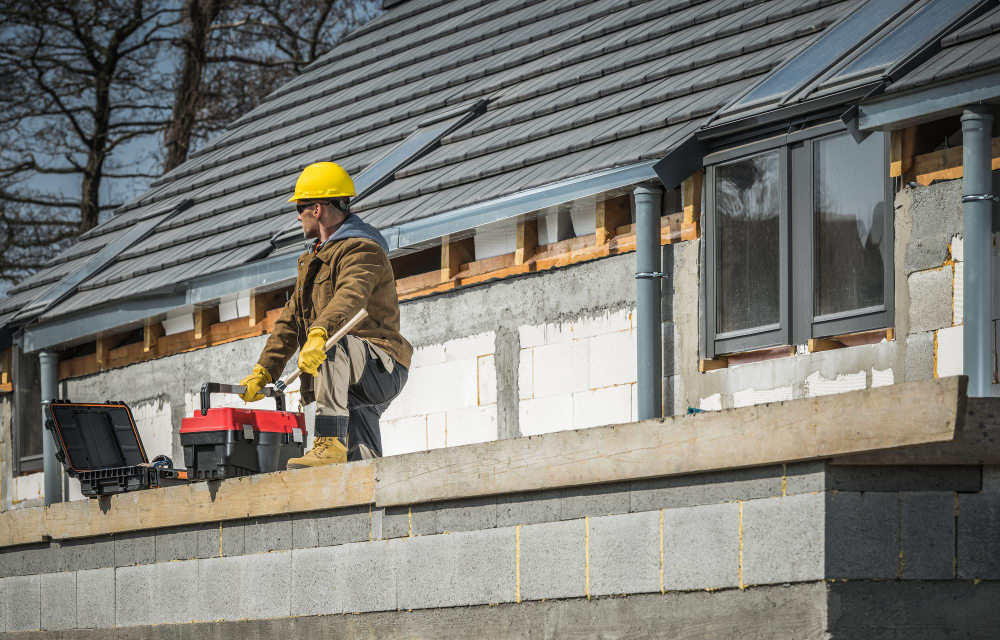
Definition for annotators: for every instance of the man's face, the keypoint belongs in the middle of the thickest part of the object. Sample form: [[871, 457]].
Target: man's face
[[309, 213]]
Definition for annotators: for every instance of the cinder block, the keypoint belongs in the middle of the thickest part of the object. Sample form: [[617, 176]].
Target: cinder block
[[529, 508], [377, 515], [23, 598], [625, 554], [30, 559], [459, 569], [95, 598], [314, 588], [612, 405], [862, 535], [919, 363], [135, 590], [58, 600], [333, 527], [991, 478], [783, 539], [487, 381], [613, 359], [135, 547], [454, 515], [3, 605], [820, 475], [701, 547], [595, 500], [177, 597], [366, 575], [217, 539], [553, 560], [220, 585], [273, 533], [266, 585], [87, 553], [562, 368], [396, 522], [545, 415], [706, 488], [930, 299], [978, 536], [471, 425], [927, 521], [177, 543]]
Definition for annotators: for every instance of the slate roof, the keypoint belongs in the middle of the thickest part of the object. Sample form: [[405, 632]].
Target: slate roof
[[970, 50], [574, 86]]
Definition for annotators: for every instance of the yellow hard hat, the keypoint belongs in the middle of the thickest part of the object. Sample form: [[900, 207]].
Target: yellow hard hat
[[323, 180]]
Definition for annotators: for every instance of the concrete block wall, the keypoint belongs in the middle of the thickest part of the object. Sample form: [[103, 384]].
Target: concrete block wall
[[736, 530]]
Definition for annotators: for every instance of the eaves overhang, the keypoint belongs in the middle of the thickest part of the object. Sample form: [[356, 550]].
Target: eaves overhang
[[895, 111]]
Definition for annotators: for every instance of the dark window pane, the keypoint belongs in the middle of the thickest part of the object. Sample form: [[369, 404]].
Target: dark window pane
[[27, 404], [747, 204], [849, 203]]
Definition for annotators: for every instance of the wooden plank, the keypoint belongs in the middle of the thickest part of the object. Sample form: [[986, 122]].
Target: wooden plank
[[823, 427], [327, 487], [261, 302], [824, 344], [103, 355], [151, 332], [454, 253], [526, 242], [691, 190], [946, 164], [611, 214], [901, 153], [7, 376], [978, 442], [204, 317], [713, 364], [6, 387]]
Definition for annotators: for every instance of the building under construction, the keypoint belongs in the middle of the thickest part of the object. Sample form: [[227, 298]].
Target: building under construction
[[702, 296]]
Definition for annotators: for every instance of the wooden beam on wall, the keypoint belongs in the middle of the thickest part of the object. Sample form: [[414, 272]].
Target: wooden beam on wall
[[901, 152], [611, 214], [946, 164], [204, 318], [151, 332], [8, 366], [527, 241], [104, 346], [264, 301], [455, 253], [691, 201]]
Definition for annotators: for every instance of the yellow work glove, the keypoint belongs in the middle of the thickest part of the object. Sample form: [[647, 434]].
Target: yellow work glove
[[313, 352], [254, 383]]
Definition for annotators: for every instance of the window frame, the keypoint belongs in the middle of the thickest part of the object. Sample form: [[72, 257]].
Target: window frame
[[22, 400], [797, 244]]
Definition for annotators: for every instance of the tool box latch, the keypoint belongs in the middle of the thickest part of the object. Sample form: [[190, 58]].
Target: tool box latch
[[247, 432], [297, 435]]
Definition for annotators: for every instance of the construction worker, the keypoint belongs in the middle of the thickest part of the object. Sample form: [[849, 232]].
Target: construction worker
[[345, 269]]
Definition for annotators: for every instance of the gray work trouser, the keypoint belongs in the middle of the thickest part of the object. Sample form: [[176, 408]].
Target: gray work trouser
[[354, 386]]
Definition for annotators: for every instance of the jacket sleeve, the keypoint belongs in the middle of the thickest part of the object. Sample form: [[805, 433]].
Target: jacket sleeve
[[358, 271], [282, 342]]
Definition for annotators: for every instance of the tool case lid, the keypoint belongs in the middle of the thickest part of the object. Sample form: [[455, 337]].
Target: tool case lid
[[232, 419], [95, 437]]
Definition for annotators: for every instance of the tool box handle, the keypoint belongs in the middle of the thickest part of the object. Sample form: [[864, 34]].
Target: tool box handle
[[209, 388]]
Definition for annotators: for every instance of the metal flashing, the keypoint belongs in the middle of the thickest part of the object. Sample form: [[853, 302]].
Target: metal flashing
[[904, 109]]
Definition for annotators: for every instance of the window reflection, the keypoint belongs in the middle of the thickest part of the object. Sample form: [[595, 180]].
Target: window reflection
[[747, 204], [849, 209]]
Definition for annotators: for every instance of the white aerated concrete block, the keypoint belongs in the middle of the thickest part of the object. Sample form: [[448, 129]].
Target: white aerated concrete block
[[561, 368], [155, 424], [711, 403], [817, 385], [29, 487], [475, 424], [471, 346], [957, 249], [487, 380], [437, 430], [552, 333], [958, 312], [949, 359], [525, 374], [751, 396], [882, 378], [545, 415], [609, 322], [444, 386], [430, 354], [404, 435], [612, 405], [495, 240], [612, 359], [634, 391], [178, 324]]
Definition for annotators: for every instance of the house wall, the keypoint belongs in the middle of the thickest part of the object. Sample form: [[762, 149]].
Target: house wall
[[556, 350]]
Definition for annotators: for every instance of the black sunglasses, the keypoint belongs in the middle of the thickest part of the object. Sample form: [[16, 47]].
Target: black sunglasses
[[301, 208]]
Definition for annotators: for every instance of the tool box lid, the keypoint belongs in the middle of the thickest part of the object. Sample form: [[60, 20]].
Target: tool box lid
[[232, 419], [94, 437]]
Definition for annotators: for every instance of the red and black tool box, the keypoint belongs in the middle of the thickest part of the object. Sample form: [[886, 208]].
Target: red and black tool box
[[100, 445], [226, 442]]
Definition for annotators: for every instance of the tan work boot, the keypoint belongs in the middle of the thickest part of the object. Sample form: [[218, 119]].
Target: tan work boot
[[325, 451]]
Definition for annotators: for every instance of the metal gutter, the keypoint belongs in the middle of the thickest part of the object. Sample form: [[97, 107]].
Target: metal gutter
[[280, 270], [913, 107]]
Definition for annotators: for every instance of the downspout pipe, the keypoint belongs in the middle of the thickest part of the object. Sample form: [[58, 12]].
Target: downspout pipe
[[977, 237], [649, 272], [49, 361]]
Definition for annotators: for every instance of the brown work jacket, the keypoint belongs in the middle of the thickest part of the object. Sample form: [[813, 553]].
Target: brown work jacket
[[332, 285]]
